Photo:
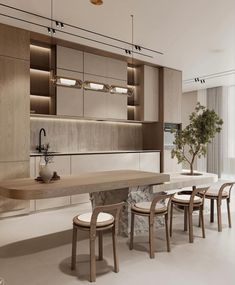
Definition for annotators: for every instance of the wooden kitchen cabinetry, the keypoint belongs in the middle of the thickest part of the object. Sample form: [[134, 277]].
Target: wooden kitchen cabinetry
[[105, 66], [149, 93], [172, 95]]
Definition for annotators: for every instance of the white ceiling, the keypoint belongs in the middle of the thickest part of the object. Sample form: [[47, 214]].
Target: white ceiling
[[197, 37]]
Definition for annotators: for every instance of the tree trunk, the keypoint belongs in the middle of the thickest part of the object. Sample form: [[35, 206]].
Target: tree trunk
[[191, 168]]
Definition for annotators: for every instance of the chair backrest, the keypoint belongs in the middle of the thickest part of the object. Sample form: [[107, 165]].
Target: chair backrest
[[197, 191], [113, 209], [223, 187], [157, 199]]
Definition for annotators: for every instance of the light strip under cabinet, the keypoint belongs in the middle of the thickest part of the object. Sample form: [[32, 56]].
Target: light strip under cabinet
[[95, 86], [121, 90], [67, 82]]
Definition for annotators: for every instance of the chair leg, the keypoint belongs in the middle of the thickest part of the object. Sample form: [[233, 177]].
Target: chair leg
[[190, 219], [74, 248], [115, 256], [167, 234], [100, 245], [201, 215], [229, 215], [185, 219], [219, 216], [151, 239], [92, 261], [132, 231], [212, 211], [171, 218], [199, 219]]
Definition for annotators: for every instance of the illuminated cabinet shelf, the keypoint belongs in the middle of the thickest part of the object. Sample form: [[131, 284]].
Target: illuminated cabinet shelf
[[42, 93]]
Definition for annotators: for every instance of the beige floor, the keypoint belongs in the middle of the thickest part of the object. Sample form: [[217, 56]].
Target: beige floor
[[35, 250]]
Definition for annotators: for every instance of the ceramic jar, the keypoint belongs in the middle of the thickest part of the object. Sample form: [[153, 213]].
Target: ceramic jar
[[45, 173]]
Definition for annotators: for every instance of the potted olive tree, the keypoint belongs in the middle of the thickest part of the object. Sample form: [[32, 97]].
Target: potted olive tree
[[191, 142]]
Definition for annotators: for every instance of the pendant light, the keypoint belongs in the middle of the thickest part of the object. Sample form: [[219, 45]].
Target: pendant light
[[96, 2]]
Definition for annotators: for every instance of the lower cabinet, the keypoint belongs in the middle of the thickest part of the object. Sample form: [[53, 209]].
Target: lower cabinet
[[171, 164], [150, 162], [77, 164], [103, 162]]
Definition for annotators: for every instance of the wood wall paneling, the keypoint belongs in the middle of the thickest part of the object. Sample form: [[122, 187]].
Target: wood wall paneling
[[14, 42], [14, 112], [14, 109]]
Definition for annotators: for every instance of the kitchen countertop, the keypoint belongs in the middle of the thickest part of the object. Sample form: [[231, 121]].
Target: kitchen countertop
[[32, 154]]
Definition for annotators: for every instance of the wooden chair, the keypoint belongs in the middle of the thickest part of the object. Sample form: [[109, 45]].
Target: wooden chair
[[150, 210], [102, 218], [190, 202], [223, 193]]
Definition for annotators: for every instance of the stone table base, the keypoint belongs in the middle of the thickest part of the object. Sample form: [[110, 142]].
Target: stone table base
[[130, 196]]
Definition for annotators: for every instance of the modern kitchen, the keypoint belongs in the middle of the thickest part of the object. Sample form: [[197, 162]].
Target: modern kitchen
[[89, 126]]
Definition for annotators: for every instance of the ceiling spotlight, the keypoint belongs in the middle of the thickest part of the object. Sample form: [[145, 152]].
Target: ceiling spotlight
[[202, 80], [196, 79], [96, 2], [59, 24], [54, 32], [49, 30]]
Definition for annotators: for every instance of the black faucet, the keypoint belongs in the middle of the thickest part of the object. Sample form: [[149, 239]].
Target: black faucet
[[40, 148]]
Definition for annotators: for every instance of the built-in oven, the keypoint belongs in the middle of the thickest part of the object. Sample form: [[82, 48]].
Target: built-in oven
[[169, 136]]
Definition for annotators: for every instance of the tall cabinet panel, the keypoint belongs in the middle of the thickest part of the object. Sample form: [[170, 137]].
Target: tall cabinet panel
[[149, 89], [172, 89], [14, 111]]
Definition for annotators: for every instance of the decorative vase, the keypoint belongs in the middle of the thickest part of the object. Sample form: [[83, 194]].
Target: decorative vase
[[46, 174]]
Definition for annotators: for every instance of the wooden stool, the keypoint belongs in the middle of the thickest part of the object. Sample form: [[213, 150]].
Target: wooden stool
[[150, 210], [223, 193], [98, 221], [190, 201]]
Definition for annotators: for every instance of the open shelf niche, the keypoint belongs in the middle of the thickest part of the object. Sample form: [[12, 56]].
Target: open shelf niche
[[133, 100], [42, 91]]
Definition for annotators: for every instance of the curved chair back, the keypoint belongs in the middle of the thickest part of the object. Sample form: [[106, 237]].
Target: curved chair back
[[197, 191], [223, 187], [158, 199], [113, 209]]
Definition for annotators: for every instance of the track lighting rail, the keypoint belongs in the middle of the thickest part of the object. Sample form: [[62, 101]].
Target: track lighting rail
[[61, 25]]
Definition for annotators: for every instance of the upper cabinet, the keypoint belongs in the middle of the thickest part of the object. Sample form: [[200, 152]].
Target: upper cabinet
[[172, 95], [105, 66], [117, 69], [69, 59]]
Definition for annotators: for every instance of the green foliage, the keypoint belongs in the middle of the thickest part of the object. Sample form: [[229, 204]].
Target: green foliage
[[203, 126]]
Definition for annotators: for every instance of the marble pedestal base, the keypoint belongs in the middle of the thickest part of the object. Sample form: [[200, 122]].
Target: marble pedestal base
[[130, 196]]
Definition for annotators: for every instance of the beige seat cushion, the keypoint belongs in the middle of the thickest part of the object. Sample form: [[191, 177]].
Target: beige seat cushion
[[144, 207], [213, 193], [185, 199], [103, 219]]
